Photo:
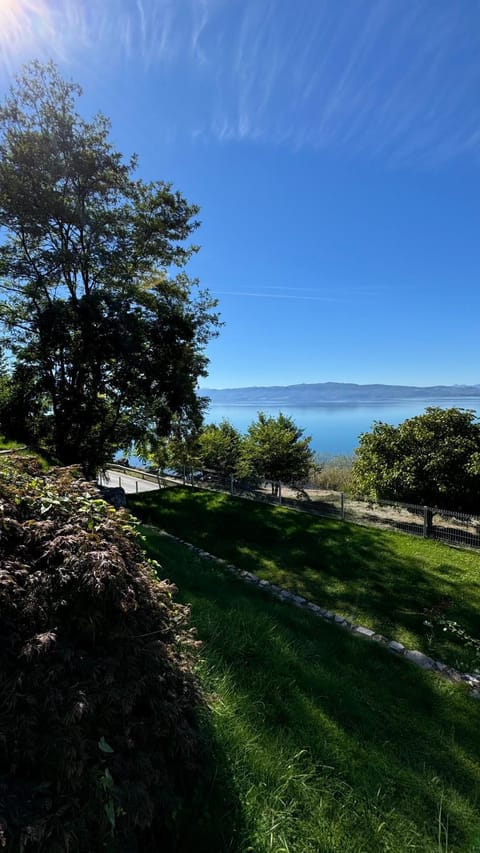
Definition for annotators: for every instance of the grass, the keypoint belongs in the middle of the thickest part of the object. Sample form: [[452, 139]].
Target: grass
[[45, 459], [323, 743], [335, 472], [383, 580], [6, 444]]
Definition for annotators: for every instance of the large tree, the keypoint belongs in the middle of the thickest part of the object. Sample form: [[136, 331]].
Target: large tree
[[275, 449], [109, 343], [432, 459]]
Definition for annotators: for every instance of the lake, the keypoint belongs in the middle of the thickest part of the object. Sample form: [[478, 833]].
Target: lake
[[335, 427]]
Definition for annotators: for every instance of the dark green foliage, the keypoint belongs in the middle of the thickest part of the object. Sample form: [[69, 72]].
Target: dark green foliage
[[275, 449], [109, 347], [180, 451], [99, 743], [220, 447], [432, 459], [21, 406]]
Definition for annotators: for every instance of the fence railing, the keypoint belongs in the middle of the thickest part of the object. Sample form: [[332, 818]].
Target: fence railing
[[451, 527], [138, 473]]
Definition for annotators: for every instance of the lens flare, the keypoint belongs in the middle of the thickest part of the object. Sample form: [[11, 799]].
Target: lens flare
[[26, 30]]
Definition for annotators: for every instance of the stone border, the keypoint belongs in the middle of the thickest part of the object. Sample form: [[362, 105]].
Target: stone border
[[418, 658]]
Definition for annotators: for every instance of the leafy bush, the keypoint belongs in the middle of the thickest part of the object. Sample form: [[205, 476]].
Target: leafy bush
[[99, 710], [432, 459]]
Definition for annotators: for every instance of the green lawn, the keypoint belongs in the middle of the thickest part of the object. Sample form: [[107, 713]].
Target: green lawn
[[6, 444], [323, 742], [380, 579]]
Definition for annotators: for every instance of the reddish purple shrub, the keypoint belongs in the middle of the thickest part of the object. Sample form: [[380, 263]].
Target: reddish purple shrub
[[99, 736]]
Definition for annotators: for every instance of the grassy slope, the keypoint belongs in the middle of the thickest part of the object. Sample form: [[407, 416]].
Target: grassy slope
[[380, 579], [41, 456], [6, 444], [325, 743]]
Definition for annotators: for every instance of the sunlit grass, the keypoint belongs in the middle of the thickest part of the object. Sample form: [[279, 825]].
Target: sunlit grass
[[383, 580], [324, 742], [6, 444]]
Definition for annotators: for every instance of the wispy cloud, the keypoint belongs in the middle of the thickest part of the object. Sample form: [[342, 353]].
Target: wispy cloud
[[389, 79], [146, 32], [341, 293], [261, 294], [379, 79], [371, 78]]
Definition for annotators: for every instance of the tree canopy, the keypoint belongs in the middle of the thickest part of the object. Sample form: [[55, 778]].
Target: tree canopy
[[275, 449], [110, 345], [220, 447], [432, 459]]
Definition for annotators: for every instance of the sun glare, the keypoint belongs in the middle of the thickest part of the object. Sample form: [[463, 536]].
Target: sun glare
[[26, 27], [11, 13], [6, 5]]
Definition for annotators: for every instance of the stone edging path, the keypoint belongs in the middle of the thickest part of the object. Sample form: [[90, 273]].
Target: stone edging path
[[398, 649]]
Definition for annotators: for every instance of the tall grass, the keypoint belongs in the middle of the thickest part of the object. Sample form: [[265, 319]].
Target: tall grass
[[333, 472], [325, 743]]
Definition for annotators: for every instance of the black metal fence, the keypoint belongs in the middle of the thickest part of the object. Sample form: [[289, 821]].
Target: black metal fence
[[454, 528]]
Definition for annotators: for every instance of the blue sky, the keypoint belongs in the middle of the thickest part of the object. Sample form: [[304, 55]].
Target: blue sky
[[334, 148]]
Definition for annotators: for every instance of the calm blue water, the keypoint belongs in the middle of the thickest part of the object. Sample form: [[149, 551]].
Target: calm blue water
[[335, 427]]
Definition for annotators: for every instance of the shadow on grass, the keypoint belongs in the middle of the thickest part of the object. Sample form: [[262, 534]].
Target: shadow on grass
[[207, 819], [391, 752], [385, 580], [214, 821]]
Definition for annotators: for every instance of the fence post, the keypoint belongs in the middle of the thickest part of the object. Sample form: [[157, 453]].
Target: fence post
[[280, 493], [342, 506], [427, 522], [232, 488], [120, 481], [136, 486]]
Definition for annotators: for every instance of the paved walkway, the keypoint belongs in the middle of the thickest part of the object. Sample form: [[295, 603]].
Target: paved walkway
[[128, 482]]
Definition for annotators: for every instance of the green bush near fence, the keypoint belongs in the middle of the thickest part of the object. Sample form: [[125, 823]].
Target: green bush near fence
[[390, 582], [431, 459]]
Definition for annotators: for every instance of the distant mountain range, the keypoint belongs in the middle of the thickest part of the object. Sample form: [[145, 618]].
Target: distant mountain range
[[336, 392]]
